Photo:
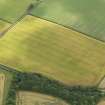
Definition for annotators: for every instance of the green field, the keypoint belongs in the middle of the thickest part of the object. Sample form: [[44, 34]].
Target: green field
[[11, 10], [83, 15], [36, 45], [3, 26]]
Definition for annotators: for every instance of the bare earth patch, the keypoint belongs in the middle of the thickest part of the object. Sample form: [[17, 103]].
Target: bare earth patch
[[2, 82], [30, 98], [102, 103], [102, 84]]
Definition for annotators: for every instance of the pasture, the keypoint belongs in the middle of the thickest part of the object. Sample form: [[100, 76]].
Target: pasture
[[36, 45], [32, 98], [11, 10], [2, 82], [86, 16]]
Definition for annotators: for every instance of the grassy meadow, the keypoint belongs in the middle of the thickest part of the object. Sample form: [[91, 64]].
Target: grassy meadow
[[36, 45], [83, 15], [11, 10]]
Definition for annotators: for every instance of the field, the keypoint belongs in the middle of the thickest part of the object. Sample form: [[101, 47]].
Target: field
[[52, 52], [102, 103], [3, 26], [36, 45], [31, 98], [83, 15], [11, 10], [5, 81], [2, 82]]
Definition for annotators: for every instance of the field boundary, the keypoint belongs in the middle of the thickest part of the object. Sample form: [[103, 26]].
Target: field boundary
[[13, 24], [27, 11], [5, 21], [71, 28]]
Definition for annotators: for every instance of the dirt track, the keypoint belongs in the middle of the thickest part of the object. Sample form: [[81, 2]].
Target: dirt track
[[2, 81]]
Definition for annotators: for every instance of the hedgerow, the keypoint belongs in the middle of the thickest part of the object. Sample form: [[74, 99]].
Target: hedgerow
[[73, 95]]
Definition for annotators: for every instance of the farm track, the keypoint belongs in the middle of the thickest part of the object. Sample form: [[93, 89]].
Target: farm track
[[12, 25], [6, 21], [2, 83], [26, 12]]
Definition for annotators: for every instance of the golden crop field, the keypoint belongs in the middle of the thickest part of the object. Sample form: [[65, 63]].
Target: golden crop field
[[3, 26], [36, 45], [31, 98], [2, 82]]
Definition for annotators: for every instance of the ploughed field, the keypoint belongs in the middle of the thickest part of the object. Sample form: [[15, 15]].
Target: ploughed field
[[36, 45]]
